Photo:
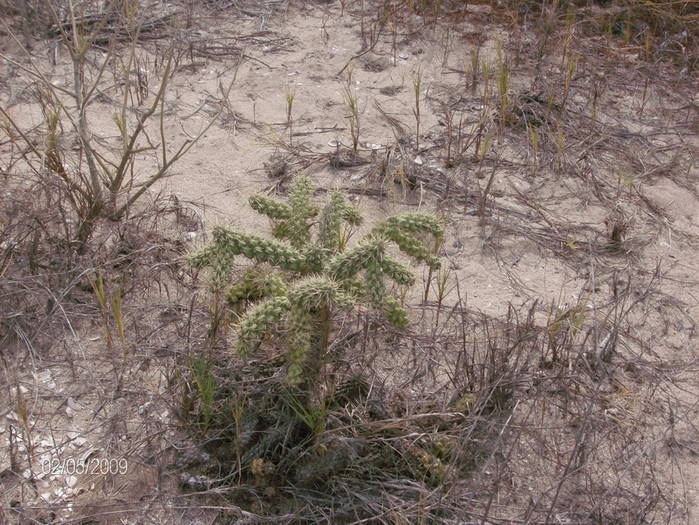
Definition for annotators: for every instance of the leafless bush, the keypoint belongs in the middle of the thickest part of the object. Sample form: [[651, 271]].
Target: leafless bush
[[100, 179]]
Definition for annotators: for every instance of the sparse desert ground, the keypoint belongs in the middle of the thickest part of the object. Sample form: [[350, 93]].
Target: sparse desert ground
[[549, 370]]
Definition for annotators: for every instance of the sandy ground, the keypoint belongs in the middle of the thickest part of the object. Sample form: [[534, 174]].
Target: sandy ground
[[641, 164]]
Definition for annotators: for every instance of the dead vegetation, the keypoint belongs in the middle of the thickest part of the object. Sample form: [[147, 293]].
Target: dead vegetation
[[548, 374]]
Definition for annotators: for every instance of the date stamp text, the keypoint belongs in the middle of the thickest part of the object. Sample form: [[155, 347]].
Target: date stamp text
[[91, 466]]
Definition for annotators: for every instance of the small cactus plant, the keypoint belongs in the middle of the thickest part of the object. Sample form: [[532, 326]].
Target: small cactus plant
[[307, 272]]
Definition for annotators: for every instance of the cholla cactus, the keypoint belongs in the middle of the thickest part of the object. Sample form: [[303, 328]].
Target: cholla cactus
[[301, 279]]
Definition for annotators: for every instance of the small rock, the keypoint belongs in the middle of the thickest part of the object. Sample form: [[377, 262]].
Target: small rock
[[200, 482], [419, 161], [192, 458], [71, 481], [42, 377]]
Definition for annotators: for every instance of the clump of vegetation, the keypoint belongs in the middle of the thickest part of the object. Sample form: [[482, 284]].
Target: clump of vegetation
[[279, 400], [306, 276]]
